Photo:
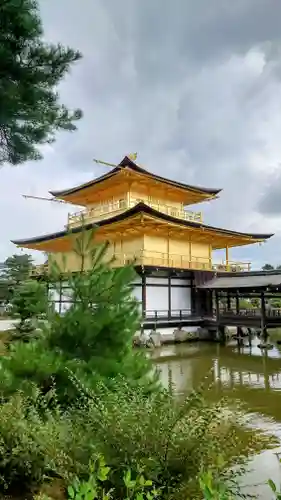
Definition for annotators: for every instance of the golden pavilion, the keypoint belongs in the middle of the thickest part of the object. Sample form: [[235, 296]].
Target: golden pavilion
[[145, 217]]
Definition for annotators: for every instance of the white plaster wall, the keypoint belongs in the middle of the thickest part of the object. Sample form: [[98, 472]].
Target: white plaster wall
[[137, 293], [54, 297], [157, 298], [180, 298], [66, 298], [160, 281], [137, 279], [177, 281]]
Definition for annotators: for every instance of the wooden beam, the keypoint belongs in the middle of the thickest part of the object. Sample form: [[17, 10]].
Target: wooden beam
[[169, 297], [143, 293]]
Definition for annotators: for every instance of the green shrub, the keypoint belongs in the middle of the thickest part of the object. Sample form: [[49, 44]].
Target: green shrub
[[172, 443]]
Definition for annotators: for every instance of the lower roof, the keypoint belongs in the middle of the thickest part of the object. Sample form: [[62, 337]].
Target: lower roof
[[246, 280], [145, 209]]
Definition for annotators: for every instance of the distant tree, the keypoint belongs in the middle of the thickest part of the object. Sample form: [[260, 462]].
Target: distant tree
[[255, 302], [30, 72], [29, 303], [245, 304], [267, 267], [278, 267], [16, 269]]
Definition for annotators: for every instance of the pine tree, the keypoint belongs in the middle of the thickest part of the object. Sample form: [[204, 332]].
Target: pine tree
[[100, 324], [30, 71], [92, 341], [16, 268]]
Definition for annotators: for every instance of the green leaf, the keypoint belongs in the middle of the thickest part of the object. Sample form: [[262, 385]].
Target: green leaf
[[70, 491], [127, 478], [272, 485], [103, 473]]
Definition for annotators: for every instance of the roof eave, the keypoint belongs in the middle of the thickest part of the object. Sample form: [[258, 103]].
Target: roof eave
[[127, 162], [141, 207]]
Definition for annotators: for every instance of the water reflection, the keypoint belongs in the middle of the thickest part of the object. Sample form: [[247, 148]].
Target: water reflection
[[245, 373]]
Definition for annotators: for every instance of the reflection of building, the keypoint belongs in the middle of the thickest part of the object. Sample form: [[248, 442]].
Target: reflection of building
[[147, 218], [230, 378]]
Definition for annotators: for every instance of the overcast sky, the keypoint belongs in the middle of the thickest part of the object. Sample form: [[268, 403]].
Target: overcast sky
[[193, 87]]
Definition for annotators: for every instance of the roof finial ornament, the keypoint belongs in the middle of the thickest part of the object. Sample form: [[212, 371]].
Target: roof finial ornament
[[133, 156]]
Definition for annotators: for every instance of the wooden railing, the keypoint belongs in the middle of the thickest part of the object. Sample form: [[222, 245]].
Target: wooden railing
[[232, 266], [251, 312], [163, 314], [161, 259], [109, 210]]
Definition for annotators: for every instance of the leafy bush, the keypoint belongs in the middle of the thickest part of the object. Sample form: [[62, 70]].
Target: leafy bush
[[172, 443]]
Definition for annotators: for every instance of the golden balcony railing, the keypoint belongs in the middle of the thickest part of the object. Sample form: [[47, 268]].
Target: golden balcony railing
[[111, 209], [160, 259], [155, 258]]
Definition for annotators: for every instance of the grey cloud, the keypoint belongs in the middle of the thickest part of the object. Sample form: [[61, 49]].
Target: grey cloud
[[192, 86], [269, 202]]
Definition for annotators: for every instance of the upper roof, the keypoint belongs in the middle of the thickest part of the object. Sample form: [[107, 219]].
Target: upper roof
[[246, 238], [128, 163]]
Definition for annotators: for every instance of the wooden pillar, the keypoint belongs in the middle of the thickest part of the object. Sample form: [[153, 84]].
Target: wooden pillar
[[237, 305], [143, 294], [217, 302], [193, 298], [228, 299], [169, 297], [48, 295], [60, 296], [168, 249], [220, 335], [210, 256], [264, 334], [226, 256], [190, 253]]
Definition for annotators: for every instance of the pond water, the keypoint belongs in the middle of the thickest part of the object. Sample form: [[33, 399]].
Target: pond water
[[245, 373]]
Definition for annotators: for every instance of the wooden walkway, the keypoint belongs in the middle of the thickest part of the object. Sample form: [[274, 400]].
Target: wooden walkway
[[185, 317], [249, 318]]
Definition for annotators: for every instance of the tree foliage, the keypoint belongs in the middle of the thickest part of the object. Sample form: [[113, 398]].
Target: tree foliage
[[93, 339], [29, 303], [16, 269], [267, 267], [30, 71]]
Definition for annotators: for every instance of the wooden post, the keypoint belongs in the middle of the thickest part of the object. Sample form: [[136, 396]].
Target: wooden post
[[210, 256], [226, 257], [237, 305], [169, 297], [143, 294], [217, 302], [60, 296], [193, 297], [264, 334], [228, 298]]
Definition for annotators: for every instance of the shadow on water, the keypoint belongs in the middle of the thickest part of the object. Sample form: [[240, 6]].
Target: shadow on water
[[245, 373]]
